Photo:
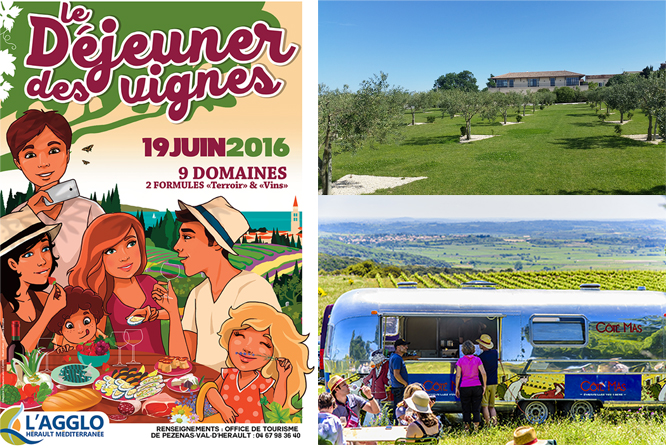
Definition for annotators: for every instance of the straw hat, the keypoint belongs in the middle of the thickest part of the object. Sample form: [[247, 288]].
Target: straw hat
[[224, 222], [419, 401], [335, 382], [525, 435], [485, 341], [17, 228]]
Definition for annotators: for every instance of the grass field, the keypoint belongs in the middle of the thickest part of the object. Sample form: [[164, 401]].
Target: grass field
[[563, 149], [608, 428]]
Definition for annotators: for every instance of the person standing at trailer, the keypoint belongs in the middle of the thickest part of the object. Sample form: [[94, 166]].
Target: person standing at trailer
[[489, 357], [398, 375], [469, 388]]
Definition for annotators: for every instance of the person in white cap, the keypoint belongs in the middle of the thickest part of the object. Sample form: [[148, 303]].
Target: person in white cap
[[206, 238], [26, 264]]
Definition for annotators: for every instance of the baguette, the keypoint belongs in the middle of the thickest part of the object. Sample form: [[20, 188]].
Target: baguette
[[72, 400]]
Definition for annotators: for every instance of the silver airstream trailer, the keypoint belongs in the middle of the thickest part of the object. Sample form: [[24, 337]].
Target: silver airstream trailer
[[572, 351]]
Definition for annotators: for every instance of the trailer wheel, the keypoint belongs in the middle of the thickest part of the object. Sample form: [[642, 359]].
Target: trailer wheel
[[536, 412], [580, 410]]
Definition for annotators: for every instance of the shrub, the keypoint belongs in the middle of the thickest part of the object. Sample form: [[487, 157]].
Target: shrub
[[565, 94], [602, 117], [618, 129], [463, 131], [430, 119], [630, 115], [542, 107], [519, 118]]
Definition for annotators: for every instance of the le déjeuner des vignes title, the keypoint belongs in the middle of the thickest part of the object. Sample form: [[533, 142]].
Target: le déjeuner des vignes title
[[100, 57]]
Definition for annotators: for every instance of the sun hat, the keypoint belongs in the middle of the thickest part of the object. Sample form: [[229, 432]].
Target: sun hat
[[224, 222], [419, 401], [400, 341], [525, 435], [335, 382], [19, 227], [485, 341]]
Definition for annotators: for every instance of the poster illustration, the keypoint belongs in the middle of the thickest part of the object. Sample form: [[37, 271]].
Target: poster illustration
[[151, 237]]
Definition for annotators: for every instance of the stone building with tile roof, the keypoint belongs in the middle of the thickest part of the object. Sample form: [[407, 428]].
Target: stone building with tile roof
[[533, 81]]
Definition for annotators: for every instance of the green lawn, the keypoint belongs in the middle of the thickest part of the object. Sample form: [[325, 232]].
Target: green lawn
[[563, 149]]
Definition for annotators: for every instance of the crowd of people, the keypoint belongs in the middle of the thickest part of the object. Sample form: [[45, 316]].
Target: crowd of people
[[410, 405]]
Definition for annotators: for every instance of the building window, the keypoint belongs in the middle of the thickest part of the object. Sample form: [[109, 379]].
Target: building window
[[501, 83], [572, 81], [534, 82], [552, 82], [510, 82], [558, 330], [601, 84]]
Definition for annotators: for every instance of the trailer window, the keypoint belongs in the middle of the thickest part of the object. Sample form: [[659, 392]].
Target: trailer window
[[354, 339], [554, 330]]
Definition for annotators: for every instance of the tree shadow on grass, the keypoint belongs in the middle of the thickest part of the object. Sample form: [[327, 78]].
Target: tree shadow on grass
[[601, 142], [587, 125], [657, 190], [582, 115], [438, 140]]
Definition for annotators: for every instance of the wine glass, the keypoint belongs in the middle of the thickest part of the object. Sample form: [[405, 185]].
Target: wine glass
[[133, 337], [47, 351], [118, 341], [170, 271]]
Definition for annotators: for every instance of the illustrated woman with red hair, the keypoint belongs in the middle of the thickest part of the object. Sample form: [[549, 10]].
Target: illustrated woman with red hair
[[112, 261]]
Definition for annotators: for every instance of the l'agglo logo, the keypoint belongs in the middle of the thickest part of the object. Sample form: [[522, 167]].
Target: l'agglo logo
[[28, 428]]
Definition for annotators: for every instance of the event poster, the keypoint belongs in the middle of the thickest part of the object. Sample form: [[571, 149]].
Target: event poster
[[152, 238]]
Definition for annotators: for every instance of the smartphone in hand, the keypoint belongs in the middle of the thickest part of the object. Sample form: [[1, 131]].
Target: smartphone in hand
[[62, 192]]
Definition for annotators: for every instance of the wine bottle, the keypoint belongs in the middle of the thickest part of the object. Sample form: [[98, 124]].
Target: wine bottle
[[15, 347]]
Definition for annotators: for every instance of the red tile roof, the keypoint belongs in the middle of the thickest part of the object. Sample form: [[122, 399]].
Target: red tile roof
[[537, 74]]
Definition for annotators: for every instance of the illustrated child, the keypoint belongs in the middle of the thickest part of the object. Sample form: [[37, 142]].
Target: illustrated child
[[78, 322], [266, 357]]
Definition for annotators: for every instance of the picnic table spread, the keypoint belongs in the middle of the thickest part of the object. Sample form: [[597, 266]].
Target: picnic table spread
[[147, 364]]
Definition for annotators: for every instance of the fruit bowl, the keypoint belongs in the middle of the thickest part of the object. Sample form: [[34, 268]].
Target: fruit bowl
[[95, 361]]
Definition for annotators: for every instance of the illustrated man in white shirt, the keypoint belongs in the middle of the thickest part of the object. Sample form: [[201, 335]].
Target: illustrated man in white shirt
[[206, 238]]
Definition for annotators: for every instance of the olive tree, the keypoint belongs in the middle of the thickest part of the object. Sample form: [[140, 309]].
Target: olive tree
[[348, 119], [652, 98], [623, 97], [419, 101], [467, 104]]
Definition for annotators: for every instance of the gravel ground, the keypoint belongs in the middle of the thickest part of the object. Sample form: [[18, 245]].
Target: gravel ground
[[352, 184], [475, 138], [643, 138]]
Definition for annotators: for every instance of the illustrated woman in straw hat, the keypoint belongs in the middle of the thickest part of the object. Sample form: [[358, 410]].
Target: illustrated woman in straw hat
[[27, 262], [206, 238], [40, 143], [426, 424]]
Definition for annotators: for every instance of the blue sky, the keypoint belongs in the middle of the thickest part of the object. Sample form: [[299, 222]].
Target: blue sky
[[416, 42], [487, 208]]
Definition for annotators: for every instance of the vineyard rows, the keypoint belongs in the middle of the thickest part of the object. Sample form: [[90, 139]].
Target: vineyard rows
[[609, 280]]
